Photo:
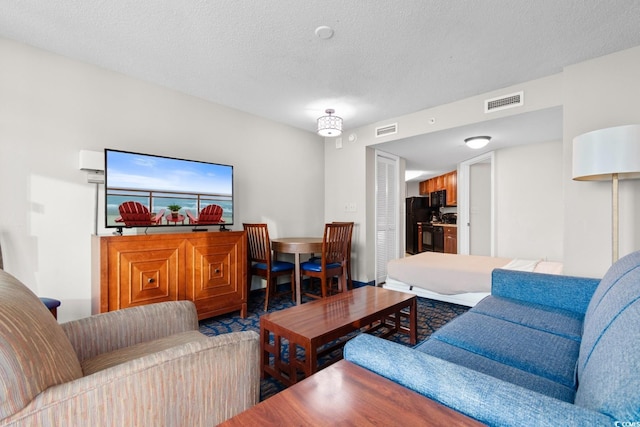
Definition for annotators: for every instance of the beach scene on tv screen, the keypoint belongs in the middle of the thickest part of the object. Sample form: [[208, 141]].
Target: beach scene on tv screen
[[159, 183]]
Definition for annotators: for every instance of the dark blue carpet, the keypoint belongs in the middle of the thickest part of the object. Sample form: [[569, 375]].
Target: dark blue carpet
[[431, 316]]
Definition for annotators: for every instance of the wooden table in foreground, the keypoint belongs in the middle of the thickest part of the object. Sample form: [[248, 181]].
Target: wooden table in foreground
[[297, 246], [346, 394], [328, 320]]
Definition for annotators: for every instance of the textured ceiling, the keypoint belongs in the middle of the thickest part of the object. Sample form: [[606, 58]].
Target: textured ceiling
[[385, 59]]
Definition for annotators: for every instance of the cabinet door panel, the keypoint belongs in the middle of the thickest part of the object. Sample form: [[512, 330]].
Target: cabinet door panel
[[144, 276], [215, 275], [452, 188], [423, 188], [211, 271], [450, 240]]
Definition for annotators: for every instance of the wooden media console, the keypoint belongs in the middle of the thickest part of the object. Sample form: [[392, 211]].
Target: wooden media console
[[207, 268]]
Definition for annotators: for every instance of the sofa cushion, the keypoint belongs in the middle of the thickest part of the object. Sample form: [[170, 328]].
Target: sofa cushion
[[555, 321], [35, 353], [609, 363], [568, 293], [496, 369], [530, 350], [487, 399], [113, 358]]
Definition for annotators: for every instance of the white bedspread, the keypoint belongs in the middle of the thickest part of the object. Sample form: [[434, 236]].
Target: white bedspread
[[446, 273], [522, 264], [450, 274]]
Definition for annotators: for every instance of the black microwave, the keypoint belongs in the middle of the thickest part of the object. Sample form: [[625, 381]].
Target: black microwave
[[438, 198]]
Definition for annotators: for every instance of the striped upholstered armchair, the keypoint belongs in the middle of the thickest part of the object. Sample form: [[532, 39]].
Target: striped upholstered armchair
[[142, 366]]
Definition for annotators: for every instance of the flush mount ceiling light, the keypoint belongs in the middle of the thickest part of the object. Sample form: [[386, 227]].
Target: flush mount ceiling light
[[329, 125], [477, 142]]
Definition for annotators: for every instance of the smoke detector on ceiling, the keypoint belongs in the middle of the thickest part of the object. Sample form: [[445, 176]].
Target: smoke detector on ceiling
[[323, 32]]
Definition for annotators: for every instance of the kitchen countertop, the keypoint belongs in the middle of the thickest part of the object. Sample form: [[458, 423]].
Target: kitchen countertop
[[438, 224]]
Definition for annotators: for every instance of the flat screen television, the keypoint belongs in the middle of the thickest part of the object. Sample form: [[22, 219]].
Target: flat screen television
[[145, 190]]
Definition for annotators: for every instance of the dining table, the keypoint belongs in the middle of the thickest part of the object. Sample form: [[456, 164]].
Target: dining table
[[297, 246]]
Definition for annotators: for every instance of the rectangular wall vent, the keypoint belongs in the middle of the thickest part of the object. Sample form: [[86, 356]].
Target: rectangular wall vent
[[386, 130], [504, 102]]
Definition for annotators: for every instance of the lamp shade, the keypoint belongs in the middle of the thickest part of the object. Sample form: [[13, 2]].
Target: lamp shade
[[599, 154]]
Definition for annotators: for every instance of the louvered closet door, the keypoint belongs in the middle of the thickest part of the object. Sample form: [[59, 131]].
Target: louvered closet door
[[387, 235]]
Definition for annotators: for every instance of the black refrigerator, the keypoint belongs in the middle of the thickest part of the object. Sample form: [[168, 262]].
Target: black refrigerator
[[417, 211]]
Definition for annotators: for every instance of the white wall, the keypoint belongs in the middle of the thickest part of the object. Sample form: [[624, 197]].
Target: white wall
[[342, 164], [594, 94], [52, 107], [600, 93], [413, 189], [341, 181], [529, 205]]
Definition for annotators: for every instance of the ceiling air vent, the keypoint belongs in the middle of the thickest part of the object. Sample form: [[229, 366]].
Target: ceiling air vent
[[386, 130], [504, 102]]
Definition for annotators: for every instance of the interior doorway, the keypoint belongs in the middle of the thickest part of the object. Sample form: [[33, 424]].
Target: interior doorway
[[476, 207], [387, 247]]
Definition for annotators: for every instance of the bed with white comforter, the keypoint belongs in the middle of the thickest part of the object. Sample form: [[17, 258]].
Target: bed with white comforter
[[459, 279]]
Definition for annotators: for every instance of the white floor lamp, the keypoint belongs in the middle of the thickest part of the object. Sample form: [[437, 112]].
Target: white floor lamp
[[608, 154]]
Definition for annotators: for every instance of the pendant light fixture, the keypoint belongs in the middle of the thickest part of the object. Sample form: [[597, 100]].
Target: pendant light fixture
[[329, 125]]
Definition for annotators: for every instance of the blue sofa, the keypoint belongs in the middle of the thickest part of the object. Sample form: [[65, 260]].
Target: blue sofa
[[542, 350]]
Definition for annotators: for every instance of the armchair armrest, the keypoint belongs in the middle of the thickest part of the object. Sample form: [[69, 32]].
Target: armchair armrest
[[565, 292], [201, 383], [110, 331], [477, 395], [192, 219]]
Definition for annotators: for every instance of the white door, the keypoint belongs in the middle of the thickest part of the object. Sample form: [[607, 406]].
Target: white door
[[480, 209], [476, 202], [387, 208]]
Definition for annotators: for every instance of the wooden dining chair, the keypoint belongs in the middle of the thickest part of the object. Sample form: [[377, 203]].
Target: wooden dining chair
[[317, 259], [334, 258], [261, 262]]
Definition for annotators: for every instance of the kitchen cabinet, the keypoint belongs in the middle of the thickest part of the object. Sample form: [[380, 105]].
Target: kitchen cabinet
[[450, 239], [424, 188], [451, 185], [209, 269], [448, 182]]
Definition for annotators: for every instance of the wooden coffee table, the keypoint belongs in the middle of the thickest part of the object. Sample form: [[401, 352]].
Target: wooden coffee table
[[319, 327], [347, 394]]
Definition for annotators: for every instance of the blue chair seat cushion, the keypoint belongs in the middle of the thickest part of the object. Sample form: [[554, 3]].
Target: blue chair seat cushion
[[317, 267], [50, 303], [276, 266]]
